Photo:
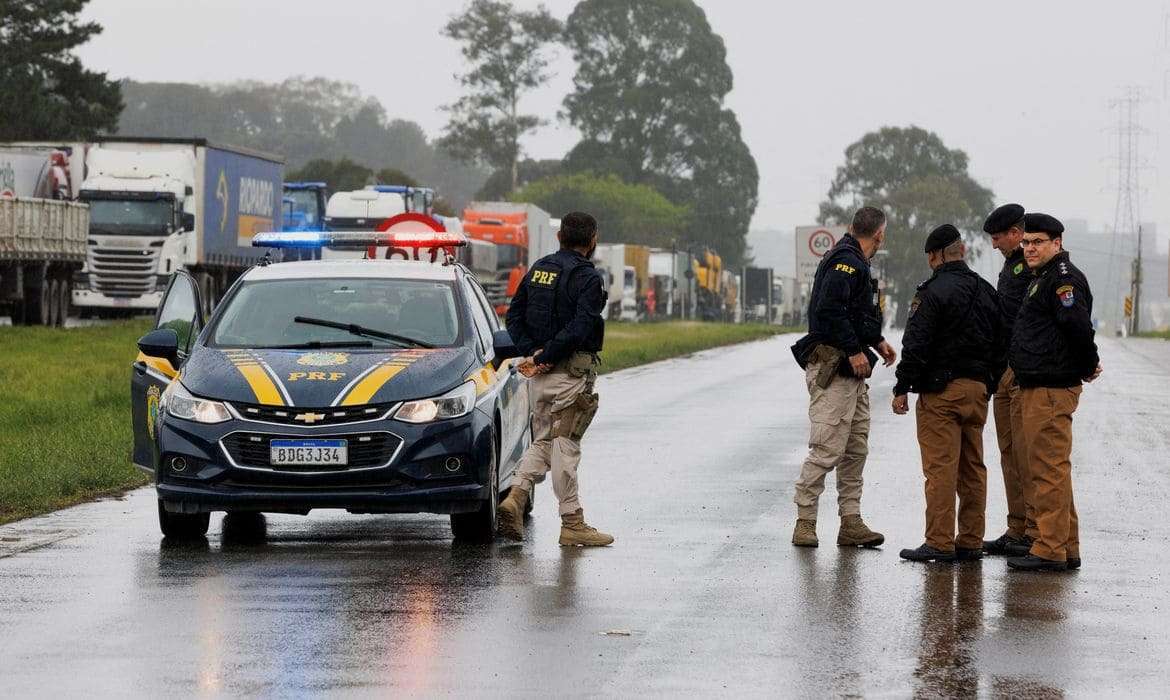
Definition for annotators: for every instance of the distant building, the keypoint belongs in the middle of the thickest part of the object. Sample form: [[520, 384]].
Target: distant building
[[1108, 263]]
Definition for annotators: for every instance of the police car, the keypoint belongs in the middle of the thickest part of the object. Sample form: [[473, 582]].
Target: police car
[[374, 386]]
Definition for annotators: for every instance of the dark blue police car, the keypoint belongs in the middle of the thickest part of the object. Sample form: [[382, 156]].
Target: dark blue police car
[[374, 386]]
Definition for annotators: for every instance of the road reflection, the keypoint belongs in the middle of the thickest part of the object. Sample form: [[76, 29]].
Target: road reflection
[[951, 623]]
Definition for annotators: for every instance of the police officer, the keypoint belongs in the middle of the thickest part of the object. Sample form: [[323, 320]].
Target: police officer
[[1052, 352], [556, 318], [1006, 227], [952, 357], [844, 323]]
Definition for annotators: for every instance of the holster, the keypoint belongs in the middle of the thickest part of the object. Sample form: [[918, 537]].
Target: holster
[[573, 420], [828, 359]]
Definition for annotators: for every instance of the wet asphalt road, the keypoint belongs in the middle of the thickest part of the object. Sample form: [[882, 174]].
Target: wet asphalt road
[[690, 464]]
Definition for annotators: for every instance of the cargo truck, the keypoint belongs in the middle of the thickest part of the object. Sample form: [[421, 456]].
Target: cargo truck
[[158, 205], [365, 209], [515, 227], [42, 244]]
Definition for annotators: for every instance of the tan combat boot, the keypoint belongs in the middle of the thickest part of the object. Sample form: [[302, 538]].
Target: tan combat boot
[[805, 534], [511, 513], [574, 532], [854, 533]]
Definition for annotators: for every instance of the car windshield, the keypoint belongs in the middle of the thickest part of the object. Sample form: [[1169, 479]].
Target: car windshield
[[263, 313]]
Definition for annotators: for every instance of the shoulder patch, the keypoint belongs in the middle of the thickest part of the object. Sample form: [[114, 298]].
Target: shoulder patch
[[1065, 294], [1018, 268], [847, 269], [914, 304]]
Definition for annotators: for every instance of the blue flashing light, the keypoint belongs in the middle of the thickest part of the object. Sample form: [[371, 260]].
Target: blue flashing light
[[395, 189], [288, 239], [305, 185]]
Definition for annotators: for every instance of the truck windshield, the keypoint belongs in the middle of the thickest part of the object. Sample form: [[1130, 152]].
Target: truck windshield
[[263, 313], [131, 216], [509, 256], [304, 202]]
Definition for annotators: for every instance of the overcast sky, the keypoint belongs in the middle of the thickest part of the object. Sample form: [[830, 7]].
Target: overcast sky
[[1023, 88]]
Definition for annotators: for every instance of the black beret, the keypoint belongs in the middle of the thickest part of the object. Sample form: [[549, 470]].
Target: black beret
[[941, 237], [1002, 218], [1043, 223]]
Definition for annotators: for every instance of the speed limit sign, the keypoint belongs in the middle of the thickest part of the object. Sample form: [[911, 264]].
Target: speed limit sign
[[812, 243]]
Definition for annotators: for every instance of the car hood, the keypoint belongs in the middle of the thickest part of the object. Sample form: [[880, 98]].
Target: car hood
[[320, 379]]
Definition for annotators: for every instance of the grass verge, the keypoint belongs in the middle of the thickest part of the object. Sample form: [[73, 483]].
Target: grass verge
[[633, 344], [65, 430], [65, 415], [1164, 335]]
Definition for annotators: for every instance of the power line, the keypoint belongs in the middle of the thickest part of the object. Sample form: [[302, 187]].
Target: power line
[[1127, 210]]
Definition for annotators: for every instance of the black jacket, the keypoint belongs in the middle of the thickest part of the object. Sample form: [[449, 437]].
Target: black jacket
[[1052, 345], [558, 308], [955, 330], [1014, 279], [843, 307]]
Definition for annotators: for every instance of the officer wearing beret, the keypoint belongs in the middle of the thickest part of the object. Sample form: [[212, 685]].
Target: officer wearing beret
[[844, 323], [1052, 352], [952, 357], [1006, 227]]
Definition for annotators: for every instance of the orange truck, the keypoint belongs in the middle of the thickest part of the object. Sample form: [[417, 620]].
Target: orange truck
[[512, 227]]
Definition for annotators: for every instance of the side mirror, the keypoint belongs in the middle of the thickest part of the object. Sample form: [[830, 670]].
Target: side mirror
[[162, 343], [504, 347], [188, 221]]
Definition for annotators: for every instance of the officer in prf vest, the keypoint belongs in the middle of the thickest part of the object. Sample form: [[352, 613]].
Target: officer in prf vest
[[555, 319]]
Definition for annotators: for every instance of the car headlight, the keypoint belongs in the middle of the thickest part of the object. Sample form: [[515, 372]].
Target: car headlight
[[455, 403], [179, 402]]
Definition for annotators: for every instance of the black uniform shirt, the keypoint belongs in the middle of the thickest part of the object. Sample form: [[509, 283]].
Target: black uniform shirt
[[557, 310], [842, 309], [1014, 279], [955, 330], [1052, 345]]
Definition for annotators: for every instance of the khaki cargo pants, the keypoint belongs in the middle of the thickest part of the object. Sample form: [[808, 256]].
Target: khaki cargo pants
[[839, 439], [1048, 433], [950, 437], [1013, 457], [554, 396]]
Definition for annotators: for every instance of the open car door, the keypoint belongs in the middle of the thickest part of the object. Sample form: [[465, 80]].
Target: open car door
[[181, 311]]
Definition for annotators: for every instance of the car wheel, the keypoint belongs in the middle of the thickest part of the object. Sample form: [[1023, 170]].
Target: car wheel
[[182, 526], [480, 525]]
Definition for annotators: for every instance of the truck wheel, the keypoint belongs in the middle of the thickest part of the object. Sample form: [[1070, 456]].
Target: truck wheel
[[66, 301], [53, 313], [36, 304], [480, 526], [182, 526]]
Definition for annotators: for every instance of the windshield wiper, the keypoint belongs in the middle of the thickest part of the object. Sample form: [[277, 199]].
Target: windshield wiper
[[361, 330], [318, 344]]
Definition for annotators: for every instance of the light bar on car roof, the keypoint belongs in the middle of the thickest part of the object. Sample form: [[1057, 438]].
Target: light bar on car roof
[[358, 240]]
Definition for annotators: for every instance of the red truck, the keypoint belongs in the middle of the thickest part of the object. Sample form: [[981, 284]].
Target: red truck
[[511, 227]]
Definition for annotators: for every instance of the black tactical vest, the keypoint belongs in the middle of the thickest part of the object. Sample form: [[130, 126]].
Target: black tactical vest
[[549, 304]]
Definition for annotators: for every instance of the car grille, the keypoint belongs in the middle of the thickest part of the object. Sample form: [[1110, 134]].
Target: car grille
[[336, 415], [365, 450], [122, 271]]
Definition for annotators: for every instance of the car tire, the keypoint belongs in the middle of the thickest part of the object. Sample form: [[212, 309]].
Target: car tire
[[182, 526], [480, 525]]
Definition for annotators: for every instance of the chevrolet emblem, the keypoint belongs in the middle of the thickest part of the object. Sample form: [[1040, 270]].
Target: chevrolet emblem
[[309, 418]]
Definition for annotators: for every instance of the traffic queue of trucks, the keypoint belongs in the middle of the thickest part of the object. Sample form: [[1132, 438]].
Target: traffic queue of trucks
[[101, 226]]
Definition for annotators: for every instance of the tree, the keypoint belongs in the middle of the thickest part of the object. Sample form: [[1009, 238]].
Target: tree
[[921, 184], [302, 119], [505, 48], [340, 176], [648, 99], [47, 93], [499, 185], [625, 213]]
